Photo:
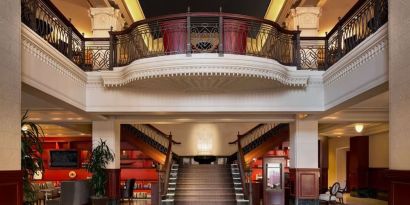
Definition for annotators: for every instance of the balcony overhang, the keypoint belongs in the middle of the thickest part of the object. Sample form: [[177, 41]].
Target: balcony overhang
[[208, 64]]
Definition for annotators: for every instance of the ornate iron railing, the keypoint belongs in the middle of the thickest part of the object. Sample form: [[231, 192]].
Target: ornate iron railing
[[312, 53], [255, 133], [365, 18], [50, 24], [202, 32], [97, 54]]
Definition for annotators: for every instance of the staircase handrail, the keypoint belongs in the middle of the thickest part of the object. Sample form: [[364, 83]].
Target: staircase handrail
[[167, 167]]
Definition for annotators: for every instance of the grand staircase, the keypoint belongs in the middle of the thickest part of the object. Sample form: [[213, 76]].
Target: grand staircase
[[205, 185]]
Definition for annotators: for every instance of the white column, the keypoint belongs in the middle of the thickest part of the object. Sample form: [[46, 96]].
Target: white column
[[307, 18], [10, 85], [102, 19], [304, 149], [399, 84], [108, 131]]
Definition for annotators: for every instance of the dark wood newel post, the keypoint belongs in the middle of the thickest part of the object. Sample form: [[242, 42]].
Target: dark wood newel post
[[339, 39], [82, 63], [298, 60], [296, 49], [326, 51], [221, 33], [377, 14], [70, 41], [188, 32], [111, 56], [33, 11]]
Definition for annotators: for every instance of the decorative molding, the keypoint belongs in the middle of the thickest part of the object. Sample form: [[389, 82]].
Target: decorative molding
[[306, 182], [367, 50], [208, 65], [43, 51]]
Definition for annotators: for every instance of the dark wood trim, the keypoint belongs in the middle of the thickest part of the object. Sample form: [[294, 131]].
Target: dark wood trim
[[11, 187], [304, 182], [249, 131], [96, 39], [313, 38], [378, 179], [113, 183], [399, 187], [163, 134]]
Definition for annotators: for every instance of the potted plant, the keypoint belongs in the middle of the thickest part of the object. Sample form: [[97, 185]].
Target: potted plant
[[98, 159], [31, 161]]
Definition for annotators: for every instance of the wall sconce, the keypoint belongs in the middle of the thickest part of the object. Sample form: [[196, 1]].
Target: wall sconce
[[359, 128], [204, 145]]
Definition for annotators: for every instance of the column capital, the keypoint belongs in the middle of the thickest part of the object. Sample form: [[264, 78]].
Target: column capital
[[306, 18], [102, 19]]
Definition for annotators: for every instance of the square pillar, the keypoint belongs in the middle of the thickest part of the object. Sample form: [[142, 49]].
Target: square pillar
[[11, 191], [304, 161], [399, 109], [109, 131]]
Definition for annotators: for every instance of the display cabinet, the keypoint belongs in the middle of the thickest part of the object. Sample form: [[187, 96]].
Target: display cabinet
[[274, 180]]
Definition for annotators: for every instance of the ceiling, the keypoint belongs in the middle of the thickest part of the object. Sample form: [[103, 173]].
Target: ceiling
[[54, 119], [154, 8], [331, 11], [348, 130], [77, 10], [373, 113], [66, 129]]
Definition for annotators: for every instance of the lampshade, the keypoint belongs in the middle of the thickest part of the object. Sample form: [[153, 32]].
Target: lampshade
[[359, 128]]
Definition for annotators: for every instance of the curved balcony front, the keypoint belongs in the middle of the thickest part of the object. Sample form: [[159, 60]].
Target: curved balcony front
[[202, 32]]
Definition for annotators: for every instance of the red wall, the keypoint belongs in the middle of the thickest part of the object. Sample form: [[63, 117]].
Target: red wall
[[62, 174], [139, 174]]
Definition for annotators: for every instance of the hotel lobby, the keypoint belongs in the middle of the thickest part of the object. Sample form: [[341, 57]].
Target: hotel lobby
[[222, 102]]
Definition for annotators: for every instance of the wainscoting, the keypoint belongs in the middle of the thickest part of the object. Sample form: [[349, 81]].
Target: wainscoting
[[11, 187]]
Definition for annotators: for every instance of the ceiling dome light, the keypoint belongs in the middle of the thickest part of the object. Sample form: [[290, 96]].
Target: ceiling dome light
[[24, 128], [359, 128]]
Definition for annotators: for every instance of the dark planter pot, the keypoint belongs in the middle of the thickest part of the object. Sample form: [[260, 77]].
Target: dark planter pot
[[99, 200]]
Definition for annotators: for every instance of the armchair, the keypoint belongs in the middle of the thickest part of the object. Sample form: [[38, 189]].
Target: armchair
[[330, 196]]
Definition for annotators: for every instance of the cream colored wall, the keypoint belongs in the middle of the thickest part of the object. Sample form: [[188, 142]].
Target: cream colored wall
[[10, 85], [379, 150], [334, 145], [331, 11], [341, 175], [378, 155], [77, 10], [219, 135]]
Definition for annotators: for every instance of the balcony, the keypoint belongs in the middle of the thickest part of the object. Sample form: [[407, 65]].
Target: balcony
[[199, 32]]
